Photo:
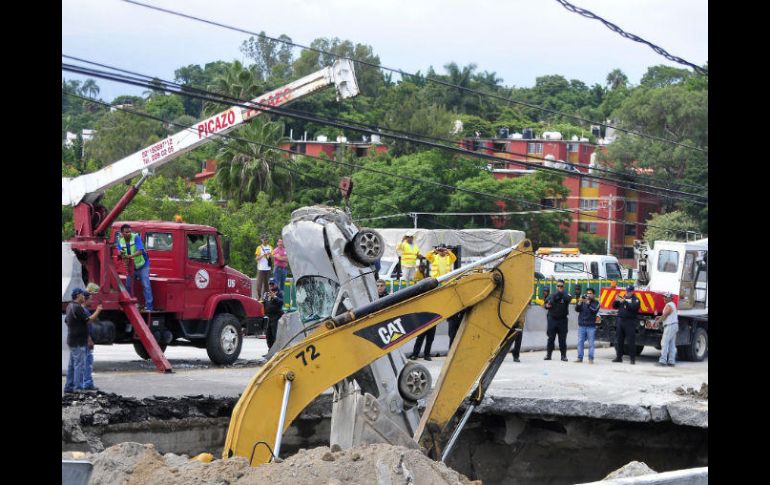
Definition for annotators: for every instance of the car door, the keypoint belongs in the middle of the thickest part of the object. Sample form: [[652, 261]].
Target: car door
[[203, 274]]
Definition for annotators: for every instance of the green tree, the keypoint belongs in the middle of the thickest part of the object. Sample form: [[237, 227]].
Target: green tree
[[673, 112], [167, 107], [590, 244], [247, 165], [270, 56], [670, 227], [119, 134], [235, 81], [616, 79]]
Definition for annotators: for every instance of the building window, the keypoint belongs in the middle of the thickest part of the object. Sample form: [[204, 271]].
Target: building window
[[499, 147], [586, 183], [586, 148], [668, 261], [588, 227], [630, 229], [630, 207], [589, 204], [535, 148], [628, 253], [572, 147]]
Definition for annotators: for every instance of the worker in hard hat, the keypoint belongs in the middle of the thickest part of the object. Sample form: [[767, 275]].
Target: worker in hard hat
[[441, 260], [409, 253]]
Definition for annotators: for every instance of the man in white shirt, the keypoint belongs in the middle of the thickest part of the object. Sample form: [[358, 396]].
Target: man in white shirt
[[670, 321]]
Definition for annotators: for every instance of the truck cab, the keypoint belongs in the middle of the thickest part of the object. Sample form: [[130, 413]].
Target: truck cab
[[677, 267], [198, 300], [570, 264]]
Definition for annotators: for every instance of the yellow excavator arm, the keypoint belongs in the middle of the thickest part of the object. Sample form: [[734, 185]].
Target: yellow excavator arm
[[495, 299]]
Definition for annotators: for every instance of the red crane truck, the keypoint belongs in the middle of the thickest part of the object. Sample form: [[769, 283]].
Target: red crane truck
[[198, 299]]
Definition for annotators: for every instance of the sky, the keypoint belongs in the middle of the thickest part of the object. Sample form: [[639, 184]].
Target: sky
[[519, 40]]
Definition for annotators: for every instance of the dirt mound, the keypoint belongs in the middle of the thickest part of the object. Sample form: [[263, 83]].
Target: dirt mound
[[633, 469], [703, 393], [135, 464]]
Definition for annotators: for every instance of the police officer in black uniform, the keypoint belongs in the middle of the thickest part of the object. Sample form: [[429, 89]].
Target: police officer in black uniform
[[273, 303], [558, 311], [627, 320]]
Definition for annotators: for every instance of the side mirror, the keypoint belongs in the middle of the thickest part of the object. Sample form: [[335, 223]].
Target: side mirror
[[226, 249]]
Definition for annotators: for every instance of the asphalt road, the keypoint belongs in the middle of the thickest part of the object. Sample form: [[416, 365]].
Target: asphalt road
[[117, 369]]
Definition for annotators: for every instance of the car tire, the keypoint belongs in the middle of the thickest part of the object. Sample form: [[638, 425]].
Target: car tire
[[142, 352], [368, 246], [639, 349], [414, 382], [224, 340]]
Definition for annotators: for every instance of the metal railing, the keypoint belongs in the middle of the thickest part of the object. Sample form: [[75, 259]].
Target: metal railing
[[537, 293]]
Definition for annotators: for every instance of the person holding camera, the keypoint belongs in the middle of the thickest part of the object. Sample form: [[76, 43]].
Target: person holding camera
[[441, 260], [587, 309], [273, 303], [558, 311], [627, 320]]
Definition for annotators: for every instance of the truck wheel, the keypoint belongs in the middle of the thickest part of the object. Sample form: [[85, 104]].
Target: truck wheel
[[224, 341], [368, 246], [142, 352], [415, 382], [699, 347]]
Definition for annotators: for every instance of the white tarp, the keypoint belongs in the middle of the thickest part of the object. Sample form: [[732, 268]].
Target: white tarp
[[71, 272], [475, 243]]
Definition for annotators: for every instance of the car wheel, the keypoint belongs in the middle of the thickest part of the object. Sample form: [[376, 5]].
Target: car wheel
[[224, 340], [699, 347], [415, 382], [368, 246]]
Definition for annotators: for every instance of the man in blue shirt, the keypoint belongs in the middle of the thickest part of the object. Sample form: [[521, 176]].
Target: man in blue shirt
[[130, 247], [587, 308]]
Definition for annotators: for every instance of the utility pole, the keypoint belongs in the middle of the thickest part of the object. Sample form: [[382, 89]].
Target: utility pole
[[609, 226]]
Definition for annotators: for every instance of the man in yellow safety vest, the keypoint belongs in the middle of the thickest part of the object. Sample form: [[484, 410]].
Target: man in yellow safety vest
[[441, 261], [409, 253]]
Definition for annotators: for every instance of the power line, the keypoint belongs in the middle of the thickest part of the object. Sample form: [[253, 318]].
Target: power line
[[231, 137], [379, 172], [225, 99], [615, 28], [374, 127], [403, 73], [378, 128]]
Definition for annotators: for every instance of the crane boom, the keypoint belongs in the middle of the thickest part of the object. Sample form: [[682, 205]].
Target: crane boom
[[77, 189]]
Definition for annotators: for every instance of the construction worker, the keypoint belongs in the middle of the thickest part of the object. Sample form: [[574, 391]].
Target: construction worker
[[130, 248], [558, 311], [441, 260], [409, 253], [628, 311]]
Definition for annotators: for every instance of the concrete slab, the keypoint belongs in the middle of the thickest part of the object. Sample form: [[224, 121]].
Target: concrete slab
[[643, 392]]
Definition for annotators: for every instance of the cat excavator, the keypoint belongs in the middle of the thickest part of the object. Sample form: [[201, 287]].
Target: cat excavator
[[494, 294]]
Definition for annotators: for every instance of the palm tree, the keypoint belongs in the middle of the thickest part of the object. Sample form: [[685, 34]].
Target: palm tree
[[90, 88], [236, 82], [247, 165], [616, 79], [457, 98]]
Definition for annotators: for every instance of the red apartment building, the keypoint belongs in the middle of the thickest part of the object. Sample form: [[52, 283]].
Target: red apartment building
[[596, 200]]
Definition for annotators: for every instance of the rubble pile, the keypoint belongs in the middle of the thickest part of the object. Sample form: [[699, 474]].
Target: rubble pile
[[135, 463]]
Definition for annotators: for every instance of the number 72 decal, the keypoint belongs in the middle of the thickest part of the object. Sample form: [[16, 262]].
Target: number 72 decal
[[310, 351]]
